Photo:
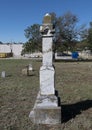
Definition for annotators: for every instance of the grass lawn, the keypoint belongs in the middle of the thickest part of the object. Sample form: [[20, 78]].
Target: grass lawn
[[18, 94]]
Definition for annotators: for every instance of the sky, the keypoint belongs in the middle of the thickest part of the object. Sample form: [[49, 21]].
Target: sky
[[17, 15]]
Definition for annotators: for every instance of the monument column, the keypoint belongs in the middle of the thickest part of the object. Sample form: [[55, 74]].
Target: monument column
[[47, 70], [46, 109]]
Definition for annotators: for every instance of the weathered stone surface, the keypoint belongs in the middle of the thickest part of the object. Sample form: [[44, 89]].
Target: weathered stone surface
[[25, 71], [47, 51], [30, 67], [46, 109], [3, 74], [47, 101], [47, 28], [44, 100], [47, 115], [47, 19], [47, 80]]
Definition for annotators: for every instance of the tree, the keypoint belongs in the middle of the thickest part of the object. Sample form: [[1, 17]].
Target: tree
[[28, 47], [89, 38], [66, 31], [33, 35], [66, 36], [83, 34]]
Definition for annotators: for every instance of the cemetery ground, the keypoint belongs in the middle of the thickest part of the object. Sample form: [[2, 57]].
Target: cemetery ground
[[18, 94]]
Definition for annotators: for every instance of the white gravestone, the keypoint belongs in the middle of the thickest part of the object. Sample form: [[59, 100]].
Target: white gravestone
[[46, 109], [3, 74], [30, 67]]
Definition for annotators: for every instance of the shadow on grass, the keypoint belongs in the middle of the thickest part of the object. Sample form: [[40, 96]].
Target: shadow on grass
[[31, 75], [70, 111], [9, 75]]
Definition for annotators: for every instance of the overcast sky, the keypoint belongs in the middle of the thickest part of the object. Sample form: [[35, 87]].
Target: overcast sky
[[17, 15]]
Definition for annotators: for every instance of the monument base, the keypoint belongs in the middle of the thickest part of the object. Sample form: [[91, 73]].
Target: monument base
[[46, 110]]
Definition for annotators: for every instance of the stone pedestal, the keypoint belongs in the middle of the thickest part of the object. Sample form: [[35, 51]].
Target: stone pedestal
[[47, 109]]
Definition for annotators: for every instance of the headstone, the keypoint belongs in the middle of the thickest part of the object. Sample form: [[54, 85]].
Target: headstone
[[25, 71], [3, 74], [46, 109], [28, 70], [30, 67]]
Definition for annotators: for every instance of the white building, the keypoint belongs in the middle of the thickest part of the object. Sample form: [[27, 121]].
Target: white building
[[16, 49]]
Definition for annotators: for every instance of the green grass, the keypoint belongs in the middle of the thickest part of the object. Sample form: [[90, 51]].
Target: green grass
[[18, 94]]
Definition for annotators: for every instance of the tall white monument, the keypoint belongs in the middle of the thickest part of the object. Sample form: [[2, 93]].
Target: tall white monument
[[46, 109]]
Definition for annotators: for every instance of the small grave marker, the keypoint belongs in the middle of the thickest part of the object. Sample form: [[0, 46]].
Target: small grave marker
[[3, 74]]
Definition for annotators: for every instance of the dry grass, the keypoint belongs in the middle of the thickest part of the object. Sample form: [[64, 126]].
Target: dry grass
[[18, 94]]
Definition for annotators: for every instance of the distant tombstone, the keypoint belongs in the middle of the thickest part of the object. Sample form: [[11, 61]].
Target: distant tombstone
[[3, 74], [30, 68], [27, 70]]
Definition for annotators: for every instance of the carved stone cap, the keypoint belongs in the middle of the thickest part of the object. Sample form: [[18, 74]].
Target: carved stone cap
[[47, 27], [47, 19]]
